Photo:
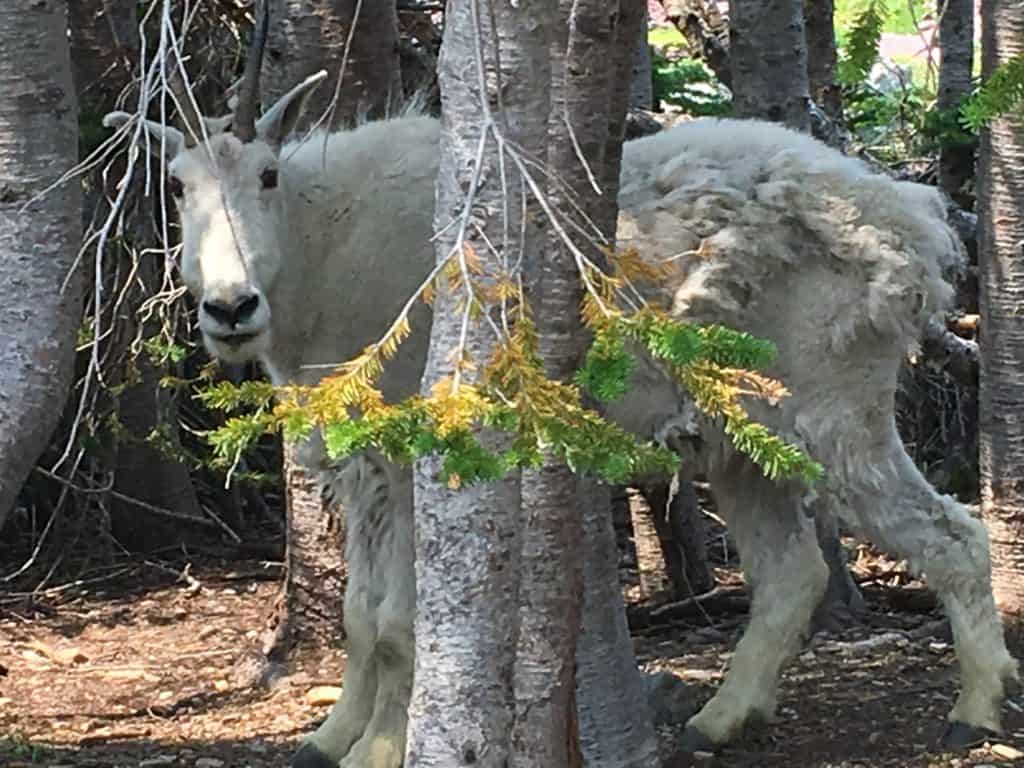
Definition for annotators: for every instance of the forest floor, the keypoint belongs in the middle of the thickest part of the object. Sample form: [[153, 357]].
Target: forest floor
[[136, 668]]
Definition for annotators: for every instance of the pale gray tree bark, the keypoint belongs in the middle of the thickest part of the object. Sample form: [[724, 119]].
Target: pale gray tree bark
[[769, 61], [545, 730], [956, 45], [38, 240], [1001, 227], [615, 724], [308, 35], [467, 541]]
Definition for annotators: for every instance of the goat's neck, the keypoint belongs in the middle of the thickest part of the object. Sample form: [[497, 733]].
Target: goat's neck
[[303, 284]]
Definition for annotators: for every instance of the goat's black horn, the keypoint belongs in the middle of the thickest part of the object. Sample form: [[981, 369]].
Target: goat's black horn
[[249, 93]]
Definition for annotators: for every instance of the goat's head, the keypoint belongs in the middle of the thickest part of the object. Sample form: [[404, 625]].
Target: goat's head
[[229, 192]]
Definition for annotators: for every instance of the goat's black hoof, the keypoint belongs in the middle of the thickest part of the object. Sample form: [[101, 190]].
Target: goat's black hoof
[[309, 756], [961, 736], [695, 741]]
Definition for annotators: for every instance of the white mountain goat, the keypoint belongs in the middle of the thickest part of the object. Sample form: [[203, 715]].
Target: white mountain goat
[[297, 263]]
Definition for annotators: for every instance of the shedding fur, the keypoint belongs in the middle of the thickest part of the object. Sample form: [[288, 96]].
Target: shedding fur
[[770, 232]]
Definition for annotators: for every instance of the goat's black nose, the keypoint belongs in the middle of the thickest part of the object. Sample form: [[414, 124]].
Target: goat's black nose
[[233, 313]]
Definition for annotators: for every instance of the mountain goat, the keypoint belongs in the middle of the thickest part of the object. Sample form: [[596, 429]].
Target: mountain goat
[[296, 262]]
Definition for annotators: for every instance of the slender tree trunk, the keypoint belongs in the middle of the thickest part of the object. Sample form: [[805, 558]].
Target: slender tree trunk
[[769, 61], [657, 566], [681, 534], [819, 28], [467, 542], [956, 45], [304, 37], [641, 93], [38, 241], [545, 731], [104, 50], [1001, 259], [315, 582], [309, 35], [706, 31], [144, 471], [615, 724]]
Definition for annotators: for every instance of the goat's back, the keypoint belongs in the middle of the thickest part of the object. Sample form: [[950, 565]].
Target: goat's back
[[774, 233]]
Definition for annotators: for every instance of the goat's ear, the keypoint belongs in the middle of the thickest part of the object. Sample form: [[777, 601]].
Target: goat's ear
[[162, 138], [280, 120]]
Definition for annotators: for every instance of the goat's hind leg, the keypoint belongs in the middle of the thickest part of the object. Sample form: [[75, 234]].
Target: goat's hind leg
[[901, 512], [787, 575]]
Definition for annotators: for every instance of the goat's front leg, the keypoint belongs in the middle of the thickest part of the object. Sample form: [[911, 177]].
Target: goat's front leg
[[328, 744], [383, 743]]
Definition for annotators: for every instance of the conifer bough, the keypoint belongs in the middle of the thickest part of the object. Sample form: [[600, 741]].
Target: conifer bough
[[512, 394]]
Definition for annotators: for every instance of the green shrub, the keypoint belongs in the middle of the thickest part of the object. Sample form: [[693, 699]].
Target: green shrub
[[689, 85]]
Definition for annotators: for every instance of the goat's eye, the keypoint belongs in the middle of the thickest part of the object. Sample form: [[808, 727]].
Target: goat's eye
[[176, 187], [268, 179]]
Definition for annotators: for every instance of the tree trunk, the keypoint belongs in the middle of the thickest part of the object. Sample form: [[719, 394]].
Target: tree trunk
[[467, 542], [681, 534], [956, 46], [819, 28], [769, 61], [615, 724], [658, 566], [624, 32], [1001, 260], [304, 37], [315, 580], [706, 31], [641, 89], [105, 48], [842, 596], [38, 243], [545, 731], [104, 51], [144, 471], [308, 35]]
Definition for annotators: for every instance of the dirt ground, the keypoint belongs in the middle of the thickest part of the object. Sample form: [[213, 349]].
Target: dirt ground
[[136, 667]]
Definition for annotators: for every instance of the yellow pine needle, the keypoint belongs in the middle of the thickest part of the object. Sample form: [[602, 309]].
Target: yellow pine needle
[[430, 292], [632, 266], [472, 260]]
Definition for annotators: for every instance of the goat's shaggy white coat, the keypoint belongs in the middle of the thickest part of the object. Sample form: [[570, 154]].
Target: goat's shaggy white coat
[[772, 232]]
